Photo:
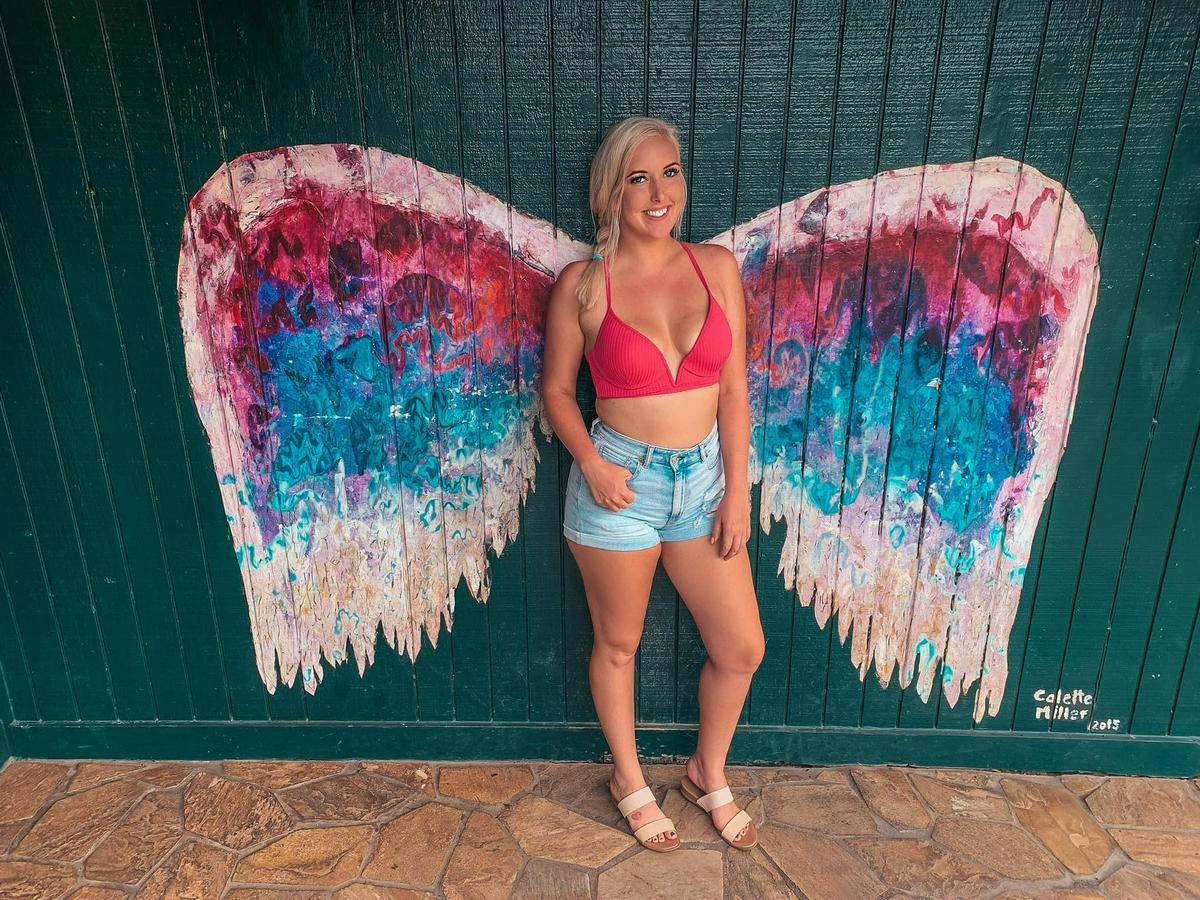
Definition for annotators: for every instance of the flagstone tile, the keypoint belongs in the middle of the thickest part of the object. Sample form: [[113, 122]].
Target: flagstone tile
[[484, 784], [194, 870], [1169, 849], [583, 788], [821, 867], [1082, 784], [1155, 802], [99, 892], [413, 847], [90, 774], [309, 856], [234, 813], [484, 863], [361, 797], [1058, 893], [694, 874], [921, 867], [946, 798], [281, 773], [890, 794], [544, 828], [417, 775], [751, 874], [26, 785], [1000, 846], [672, 774], [76, 823], [785, 774], [273, 893], [171, 774], [544, 878], [8, 834], [1055, 817], [972, 777], [362, 891], [1138, 882], [21, 880], [827, 808], [135, 846]]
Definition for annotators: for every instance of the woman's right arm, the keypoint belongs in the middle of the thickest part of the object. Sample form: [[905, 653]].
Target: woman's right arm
[[560, 367]]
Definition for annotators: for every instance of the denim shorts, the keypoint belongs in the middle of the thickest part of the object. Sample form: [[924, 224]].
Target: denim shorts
[[676, 492]]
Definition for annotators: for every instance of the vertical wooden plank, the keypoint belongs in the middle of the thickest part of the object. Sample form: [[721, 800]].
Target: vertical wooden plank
[[1097, 548], [74, 375], [430, 55], [550, 576], [486, 160], [178, 616], [857, 121], [22, 574], [916, 115], [1161, 673], [767, 85], [260, 105], [1060, 78], [383, 89], [1165, 382], [711, 170], [1183, 714], [858, 133], [817, 62], [573, 35], [1008, 97], [185, 146], [1034, 662]]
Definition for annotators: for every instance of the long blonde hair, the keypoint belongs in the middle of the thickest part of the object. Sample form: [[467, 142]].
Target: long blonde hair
[[606, 188]]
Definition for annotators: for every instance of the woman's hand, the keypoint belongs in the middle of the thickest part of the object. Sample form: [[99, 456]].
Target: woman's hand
[[607, 482], [731, 529]]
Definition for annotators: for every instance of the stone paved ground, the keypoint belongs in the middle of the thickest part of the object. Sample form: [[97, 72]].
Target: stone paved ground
[[292, 830]]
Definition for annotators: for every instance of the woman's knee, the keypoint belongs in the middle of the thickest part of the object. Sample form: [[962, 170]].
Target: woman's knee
[[739, 654], [616, 653]]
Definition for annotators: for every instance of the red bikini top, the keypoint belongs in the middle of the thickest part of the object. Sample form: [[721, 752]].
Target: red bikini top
[[626, 363]]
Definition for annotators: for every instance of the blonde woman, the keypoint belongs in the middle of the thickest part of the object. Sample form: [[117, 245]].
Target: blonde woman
[[661, 472]]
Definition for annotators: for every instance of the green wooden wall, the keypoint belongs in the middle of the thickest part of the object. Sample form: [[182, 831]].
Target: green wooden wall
[[123, 627]]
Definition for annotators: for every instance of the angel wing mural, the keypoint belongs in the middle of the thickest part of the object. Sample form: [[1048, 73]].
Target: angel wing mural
[[364, 343]]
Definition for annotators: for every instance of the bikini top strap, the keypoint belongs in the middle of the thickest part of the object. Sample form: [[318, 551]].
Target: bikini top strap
[[696, 266], [607, 286]]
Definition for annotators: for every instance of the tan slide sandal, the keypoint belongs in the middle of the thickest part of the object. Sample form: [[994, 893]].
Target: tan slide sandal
[[641, 797], [719, 797]]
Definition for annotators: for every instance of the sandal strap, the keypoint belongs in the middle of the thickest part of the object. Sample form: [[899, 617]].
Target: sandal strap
[[630, 802], [734, 825], [658, 826], [719, 797]]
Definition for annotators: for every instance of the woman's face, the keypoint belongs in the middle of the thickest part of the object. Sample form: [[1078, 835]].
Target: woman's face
[[653, 185]]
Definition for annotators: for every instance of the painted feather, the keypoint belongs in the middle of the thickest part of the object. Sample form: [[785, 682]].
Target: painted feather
[[364, 342]]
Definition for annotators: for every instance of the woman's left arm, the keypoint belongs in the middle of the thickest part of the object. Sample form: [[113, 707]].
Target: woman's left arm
[[733, 413]]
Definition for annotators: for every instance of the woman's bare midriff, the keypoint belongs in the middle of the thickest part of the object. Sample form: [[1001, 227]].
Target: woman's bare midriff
[[678, 420]]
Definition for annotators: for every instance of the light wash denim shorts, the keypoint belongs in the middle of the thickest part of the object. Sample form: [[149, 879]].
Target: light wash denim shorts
[[676, 492]]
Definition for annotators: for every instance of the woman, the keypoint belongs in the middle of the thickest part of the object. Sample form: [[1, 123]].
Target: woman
[[662, 325]]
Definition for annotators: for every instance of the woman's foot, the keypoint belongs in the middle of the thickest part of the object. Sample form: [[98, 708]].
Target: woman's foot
[[643, 814], [709, 783]]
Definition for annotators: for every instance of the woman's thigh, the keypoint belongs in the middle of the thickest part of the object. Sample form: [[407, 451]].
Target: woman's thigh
[[720, 595], [617, 584]]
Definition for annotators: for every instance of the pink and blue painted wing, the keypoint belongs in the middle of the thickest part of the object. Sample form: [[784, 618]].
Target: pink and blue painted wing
[[364, 340], [915, 342]]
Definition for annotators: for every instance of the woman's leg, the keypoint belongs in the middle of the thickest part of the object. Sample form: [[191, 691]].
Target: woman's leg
[[719, 593], [617, 584]]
